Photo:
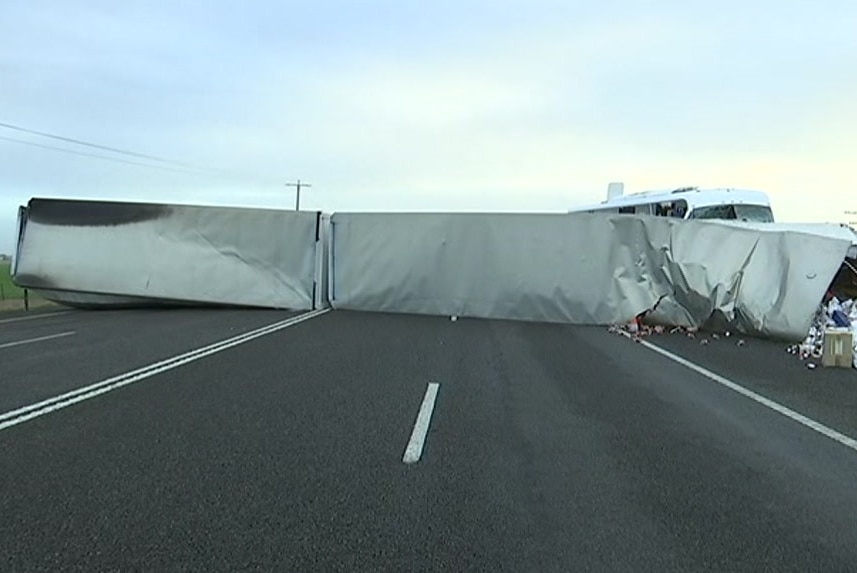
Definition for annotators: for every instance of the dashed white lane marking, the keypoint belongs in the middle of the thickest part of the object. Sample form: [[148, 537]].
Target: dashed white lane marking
[[414, 450], [35, 316], [32, 340]]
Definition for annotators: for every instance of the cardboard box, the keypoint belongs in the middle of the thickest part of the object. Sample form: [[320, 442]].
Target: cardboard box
[[838, 349]]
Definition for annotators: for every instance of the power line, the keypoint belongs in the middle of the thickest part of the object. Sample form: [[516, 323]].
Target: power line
[[179, 166], [184, 166], [99, 146], [84, 154]]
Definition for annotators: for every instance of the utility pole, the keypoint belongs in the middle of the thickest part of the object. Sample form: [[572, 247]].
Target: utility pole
[[297, 187]]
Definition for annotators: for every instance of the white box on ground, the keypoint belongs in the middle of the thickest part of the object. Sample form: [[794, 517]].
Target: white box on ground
[[838, 348]]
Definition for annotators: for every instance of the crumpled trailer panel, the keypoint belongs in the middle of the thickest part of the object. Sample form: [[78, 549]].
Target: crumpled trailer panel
[[584, 269], [113, 253]]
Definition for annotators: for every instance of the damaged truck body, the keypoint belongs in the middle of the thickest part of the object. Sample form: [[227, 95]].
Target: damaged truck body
[[104, 253], [601, 268]]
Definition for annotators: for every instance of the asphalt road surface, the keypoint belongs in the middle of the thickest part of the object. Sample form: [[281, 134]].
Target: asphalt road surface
[[548, 448]]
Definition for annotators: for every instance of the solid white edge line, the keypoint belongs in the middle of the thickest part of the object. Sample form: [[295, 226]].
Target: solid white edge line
[[32, 340], [26, 413], [414, 450], [826, 431], [157, 365]]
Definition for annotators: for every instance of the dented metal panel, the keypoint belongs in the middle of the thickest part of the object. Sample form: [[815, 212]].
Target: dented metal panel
[[583, 269], [831, 230], [113, 252]]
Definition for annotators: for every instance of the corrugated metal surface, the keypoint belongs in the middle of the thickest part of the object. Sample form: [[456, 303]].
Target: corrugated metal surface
[[216, 255], [584, 269]]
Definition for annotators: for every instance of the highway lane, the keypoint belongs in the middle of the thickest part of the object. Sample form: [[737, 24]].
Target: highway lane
[[551, 448], [105, 343], [10, 316], [828, 395]]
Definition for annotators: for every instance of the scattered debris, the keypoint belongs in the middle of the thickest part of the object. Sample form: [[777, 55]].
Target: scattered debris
[[833, 316], [638, 330]]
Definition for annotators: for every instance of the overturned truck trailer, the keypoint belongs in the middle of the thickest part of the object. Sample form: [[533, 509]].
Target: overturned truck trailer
[[599, 269], [101, 253], [594, 269], [844, 283]]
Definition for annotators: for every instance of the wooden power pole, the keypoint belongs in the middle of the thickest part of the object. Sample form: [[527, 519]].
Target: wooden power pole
[[297, 187]]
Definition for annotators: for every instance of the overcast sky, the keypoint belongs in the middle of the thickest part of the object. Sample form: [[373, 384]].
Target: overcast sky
[[441, 105]]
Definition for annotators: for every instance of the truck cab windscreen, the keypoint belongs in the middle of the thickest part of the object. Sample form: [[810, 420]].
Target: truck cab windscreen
[[754, 213]]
